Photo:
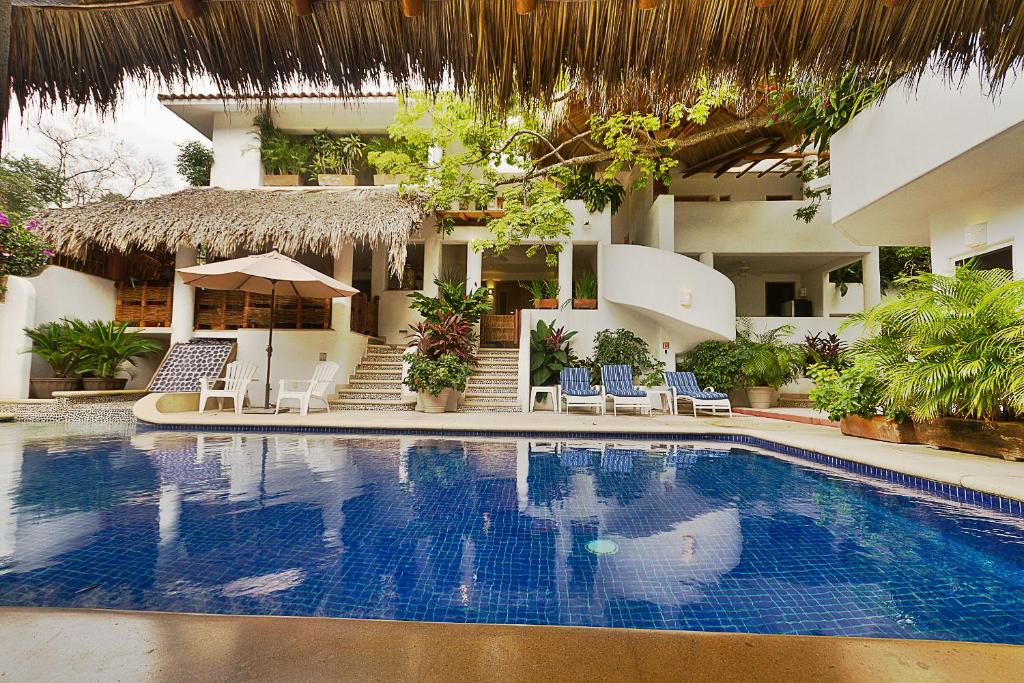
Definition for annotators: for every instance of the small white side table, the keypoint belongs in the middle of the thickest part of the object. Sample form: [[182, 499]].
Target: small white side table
[[667, 404], [552, 391]]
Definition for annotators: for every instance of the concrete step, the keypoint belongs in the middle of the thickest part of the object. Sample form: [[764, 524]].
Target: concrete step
[[380, 364], [370, 394], [491, 389], [371, 404], [509, 408], [490, 399]]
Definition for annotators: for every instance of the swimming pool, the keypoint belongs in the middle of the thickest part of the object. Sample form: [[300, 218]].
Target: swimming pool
[[695, 536]]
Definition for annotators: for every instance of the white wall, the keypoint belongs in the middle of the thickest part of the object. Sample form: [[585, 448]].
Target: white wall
[[747, 188], [17, 311], [236, 153], [64, 293], [394, 316], [1002, 210]]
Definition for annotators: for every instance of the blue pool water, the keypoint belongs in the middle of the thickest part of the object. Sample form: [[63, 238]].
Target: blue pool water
[[707, 538]]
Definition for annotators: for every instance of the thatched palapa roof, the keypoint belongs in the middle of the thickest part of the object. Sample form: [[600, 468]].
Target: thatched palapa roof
[[321, 221], [81, 51]]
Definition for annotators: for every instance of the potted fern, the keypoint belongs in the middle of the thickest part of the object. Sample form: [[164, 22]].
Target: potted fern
[[584, 294], [770, 362], [53, 342]]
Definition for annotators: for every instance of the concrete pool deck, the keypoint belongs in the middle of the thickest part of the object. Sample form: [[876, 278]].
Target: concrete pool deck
[[61, 645], [980, 473]]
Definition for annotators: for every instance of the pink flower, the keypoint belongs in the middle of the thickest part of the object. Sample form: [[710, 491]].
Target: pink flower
[[47, 252], [3, 221], [32, 225]]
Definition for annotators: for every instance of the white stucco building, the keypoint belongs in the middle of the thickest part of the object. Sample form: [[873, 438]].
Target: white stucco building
[[677, 265]]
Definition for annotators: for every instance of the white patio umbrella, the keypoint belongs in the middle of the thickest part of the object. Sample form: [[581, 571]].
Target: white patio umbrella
[[272, 274]]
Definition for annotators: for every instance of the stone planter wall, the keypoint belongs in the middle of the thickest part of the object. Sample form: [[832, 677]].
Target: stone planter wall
[[997, 439], [878, 428]]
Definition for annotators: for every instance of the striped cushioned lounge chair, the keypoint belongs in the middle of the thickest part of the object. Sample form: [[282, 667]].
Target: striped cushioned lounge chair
[[575, 390], [618, 386], [684, 388]]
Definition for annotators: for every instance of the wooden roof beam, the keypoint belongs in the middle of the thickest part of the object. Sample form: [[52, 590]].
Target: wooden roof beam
[[747, 169], [730, 156], [188, 9], [302, 8], [771, 168], [792, 169]]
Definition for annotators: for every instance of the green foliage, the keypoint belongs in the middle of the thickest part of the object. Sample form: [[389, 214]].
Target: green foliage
[[585, 286], [22, 251], [818, 110], [385, 154], [716, 364], [541, 289], [451, 299], [578, 182], [194, 163], [623, 347], [851, 390], [104, 347], [280, 152], [770, 361], [28, 185], [53, 342], [549, 353], [949, 345], [450, 335], [335, 153], [537, 214], [825, 349], [895, 263], [434, 376]]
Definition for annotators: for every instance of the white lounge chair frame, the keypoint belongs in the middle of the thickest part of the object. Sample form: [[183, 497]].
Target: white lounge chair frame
[[237, 377], [712, 405], [319, 386], [596, 401], [640, 403]]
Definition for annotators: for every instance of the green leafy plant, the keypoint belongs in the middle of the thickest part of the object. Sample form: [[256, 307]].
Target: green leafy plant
[[771, 361], [331, 153], [585, 286], [949, 345], [716, 364], [105, 347], [578, 182], [194, 163], [55, 344], [623, 347], [450, 335], [281, 153], [549, 353], [28, 185], [22, 251], [850, 390], [895, 263], [433, 376], [825, 349], [452, 298]]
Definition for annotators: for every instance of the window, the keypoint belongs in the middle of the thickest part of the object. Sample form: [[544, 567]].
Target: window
[[776, 294], [778, 197], [998, 258]]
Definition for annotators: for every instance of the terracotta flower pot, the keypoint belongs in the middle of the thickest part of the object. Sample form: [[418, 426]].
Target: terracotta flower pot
[[45, 386], [997, 439], [275, 180], [878, 428], [435, 404], [335, 180], [585, 304], [762, 397], [545, 303], [104, 383]]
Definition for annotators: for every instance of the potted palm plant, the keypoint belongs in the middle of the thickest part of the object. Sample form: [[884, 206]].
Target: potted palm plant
[[770, 362], [106, 349], [53, 342], [334, 158], [285, 157], [585, 291]]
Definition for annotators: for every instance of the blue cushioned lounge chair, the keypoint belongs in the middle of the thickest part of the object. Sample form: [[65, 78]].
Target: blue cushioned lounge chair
[[618, 386], [575, 390], [684, 388]]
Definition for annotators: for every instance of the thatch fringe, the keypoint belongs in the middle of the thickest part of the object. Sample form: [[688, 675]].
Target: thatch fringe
[[225, 221], [602, 48]]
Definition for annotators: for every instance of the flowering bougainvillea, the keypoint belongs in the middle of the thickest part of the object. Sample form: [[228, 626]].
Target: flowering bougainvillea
[[22, 250]]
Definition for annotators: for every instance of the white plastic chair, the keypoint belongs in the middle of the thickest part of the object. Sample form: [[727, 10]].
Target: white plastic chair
[[302, 390], [236, 381]]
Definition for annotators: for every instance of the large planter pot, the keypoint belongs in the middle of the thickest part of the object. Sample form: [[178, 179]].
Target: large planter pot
[[997, 439], [44, 387], [585, 304], [274, 180], [454, 401], [335, 180], [762, 397], [545, 303], [878, 428], [435, 404], [104, 383]]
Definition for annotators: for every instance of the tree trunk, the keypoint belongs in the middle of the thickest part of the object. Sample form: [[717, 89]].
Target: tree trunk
[[5, 56]]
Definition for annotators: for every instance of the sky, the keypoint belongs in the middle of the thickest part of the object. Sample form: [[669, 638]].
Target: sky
[[140, 121]]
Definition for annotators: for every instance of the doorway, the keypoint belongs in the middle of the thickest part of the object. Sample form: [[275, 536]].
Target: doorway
[[776, 294]]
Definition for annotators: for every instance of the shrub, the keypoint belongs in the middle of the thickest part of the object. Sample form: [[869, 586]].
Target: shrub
[[434, 376], [280, 152], [950, 345], [104, 347], [770, 360], [623, 347], [451, 335], [851, 390], [22, 251], [549, 353], [825, 349], [716, 364], [194, 163], [451, 298]]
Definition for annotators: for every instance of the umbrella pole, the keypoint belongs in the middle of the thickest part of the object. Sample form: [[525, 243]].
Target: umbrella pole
[[270, 341]]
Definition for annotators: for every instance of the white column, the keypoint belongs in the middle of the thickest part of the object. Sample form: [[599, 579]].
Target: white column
[[707, 258], [17, 311], [474, 268], [236, 152], [341, 308], [565, 275], [872, 278], [183, 299], [378, 271], [431, 262]]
